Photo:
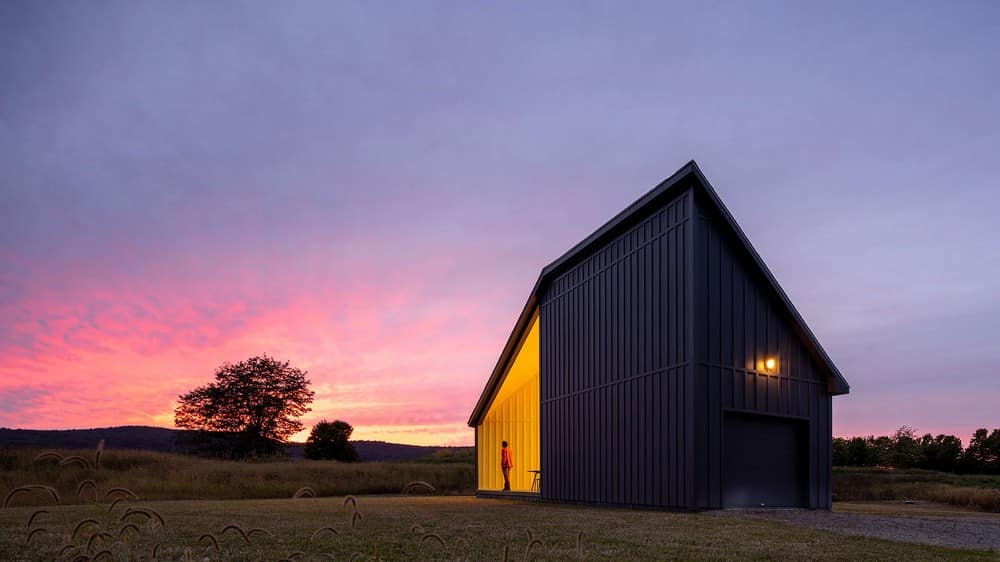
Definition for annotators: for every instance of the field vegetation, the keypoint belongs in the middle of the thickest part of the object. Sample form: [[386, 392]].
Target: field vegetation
[[162, 476], [978, 492], [422, 528], [78, 505]]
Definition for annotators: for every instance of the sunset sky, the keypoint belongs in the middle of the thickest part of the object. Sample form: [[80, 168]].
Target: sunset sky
[[370, 189]]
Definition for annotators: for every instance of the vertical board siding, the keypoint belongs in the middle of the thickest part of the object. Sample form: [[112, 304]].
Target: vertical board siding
[[646, 343], [613, 358], [739, 324]]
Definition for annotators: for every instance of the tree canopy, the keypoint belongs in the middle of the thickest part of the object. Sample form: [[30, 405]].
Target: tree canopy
[[331, 440], [904, 449], [257, 402]]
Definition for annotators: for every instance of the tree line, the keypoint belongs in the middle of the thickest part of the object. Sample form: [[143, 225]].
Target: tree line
[[905, 449]]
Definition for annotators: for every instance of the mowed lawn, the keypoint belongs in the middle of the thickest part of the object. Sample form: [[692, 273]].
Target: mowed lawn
[[413, 528]]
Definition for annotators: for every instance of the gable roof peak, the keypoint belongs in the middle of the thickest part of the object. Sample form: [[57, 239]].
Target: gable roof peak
[[837, 383]]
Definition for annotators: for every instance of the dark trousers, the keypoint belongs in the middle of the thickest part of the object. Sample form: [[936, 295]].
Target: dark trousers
[[506, 477]]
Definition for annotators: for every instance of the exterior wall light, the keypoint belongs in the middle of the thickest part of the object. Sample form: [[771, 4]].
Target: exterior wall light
[[770, 363]]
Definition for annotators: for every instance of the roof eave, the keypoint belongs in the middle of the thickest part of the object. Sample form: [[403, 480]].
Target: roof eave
[[496, 376]]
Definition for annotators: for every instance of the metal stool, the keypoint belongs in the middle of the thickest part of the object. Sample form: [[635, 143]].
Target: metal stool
[[536, 482]]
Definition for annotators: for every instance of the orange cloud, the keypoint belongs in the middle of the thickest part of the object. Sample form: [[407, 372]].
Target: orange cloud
[[396, 362]]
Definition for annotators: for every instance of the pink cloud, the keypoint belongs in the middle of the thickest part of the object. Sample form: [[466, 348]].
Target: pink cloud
[[383, 355]]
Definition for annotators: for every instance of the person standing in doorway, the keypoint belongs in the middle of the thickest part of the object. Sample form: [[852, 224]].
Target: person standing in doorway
[[506, 463]]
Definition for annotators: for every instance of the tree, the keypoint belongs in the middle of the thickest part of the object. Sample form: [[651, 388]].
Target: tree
[[841, 452], [859, 453], [906, 451], [983, 453], [254, 403], [941, 453], [881, 449], [331, 440]]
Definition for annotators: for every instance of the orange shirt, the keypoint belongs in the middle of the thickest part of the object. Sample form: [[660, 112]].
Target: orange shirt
[[506, 458]]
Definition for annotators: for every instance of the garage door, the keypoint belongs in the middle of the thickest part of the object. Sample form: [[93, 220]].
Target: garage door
[[764, 461]]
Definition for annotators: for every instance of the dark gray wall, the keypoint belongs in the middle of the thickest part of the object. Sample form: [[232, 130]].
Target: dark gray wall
[[615, 381], [738, 324], [646, 342]]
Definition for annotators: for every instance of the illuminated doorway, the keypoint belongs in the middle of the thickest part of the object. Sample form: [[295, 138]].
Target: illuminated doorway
[[513, 417]]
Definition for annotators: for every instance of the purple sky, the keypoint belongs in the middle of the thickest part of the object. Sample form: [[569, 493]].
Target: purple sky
[[370, 189]]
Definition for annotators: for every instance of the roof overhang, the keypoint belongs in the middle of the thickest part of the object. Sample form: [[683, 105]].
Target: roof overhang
[[506, 356], [688, 176]]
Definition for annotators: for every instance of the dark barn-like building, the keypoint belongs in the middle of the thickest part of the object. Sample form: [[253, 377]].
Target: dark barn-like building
[[658, 363]]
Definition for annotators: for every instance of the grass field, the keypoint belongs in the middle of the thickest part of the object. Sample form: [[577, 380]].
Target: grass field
[[160, 476], [198, 498], [979, 492], [414, 528], [922, 509]]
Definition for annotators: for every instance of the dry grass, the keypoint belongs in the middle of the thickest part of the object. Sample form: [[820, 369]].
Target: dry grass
[[436, 537], [158, 476], [979, 492], [238, 529], [75, 459], [129, 494], [27, 489], [85, 484], [309, 530], [405, 527], [31, 520], [418, 485], [214, 541], [148, 513], [352, 500], [319, 532], [897, 508]]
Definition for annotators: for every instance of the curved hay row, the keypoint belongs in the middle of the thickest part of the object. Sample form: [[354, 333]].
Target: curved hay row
[[34, 515], [27, 488], [32, 534], [436, 537], [416, 484], [238, 529], [121, 490], [211, 537], [126, 527], [148, 512], [84, 463], [80, 525], [86, 484], [260, 531], [48, 455]]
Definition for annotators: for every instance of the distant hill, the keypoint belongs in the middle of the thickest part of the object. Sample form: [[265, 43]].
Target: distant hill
[[380, 450], [125, 437], [163, 440]]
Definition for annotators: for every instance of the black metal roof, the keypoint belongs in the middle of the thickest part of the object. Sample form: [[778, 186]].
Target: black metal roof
[[690, 171]]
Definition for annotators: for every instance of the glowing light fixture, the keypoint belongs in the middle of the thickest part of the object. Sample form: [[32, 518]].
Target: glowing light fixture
[[770, 363]]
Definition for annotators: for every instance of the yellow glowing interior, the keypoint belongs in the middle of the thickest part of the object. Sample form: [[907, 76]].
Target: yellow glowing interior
[[513, 417]]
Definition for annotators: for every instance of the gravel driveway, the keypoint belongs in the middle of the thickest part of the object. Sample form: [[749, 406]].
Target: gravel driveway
[[955, 532]]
